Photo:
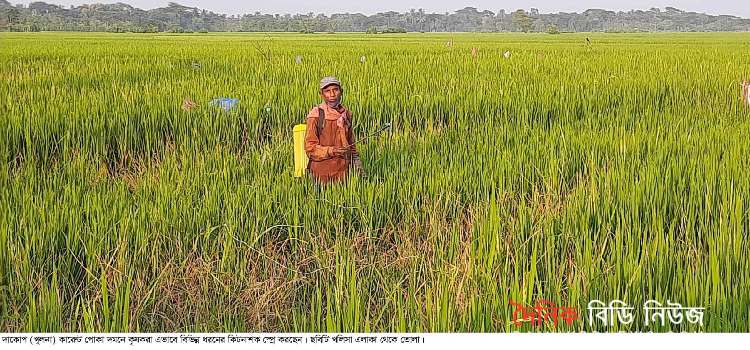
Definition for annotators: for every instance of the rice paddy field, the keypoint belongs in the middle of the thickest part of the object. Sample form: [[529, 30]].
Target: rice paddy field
[[569, 171]]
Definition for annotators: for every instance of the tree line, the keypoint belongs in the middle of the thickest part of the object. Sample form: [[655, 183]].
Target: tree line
[[120, 17]]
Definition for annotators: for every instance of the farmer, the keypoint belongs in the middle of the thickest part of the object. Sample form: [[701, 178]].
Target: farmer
[[329, 138]]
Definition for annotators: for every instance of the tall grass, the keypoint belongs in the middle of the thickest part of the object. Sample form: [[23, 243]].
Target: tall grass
[[567, 172]]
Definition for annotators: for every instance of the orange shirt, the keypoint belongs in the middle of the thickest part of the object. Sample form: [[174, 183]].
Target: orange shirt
[[323, 166]]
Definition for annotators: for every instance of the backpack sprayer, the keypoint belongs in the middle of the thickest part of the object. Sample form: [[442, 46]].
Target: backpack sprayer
[[300, 156]]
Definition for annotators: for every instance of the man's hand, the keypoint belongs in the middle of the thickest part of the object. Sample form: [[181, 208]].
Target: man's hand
[[339, 152]]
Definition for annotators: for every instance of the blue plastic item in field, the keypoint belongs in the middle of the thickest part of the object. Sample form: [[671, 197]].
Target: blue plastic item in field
[[225, 103]]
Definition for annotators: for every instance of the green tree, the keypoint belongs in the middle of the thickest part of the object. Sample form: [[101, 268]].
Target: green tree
[[13, 16], [522, 20]]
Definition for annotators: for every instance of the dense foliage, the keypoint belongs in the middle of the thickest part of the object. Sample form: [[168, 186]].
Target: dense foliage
[[40, 16]]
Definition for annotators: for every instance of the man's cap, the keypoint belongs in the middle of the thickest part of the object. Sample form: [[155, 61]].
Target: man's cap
[[328, 81]]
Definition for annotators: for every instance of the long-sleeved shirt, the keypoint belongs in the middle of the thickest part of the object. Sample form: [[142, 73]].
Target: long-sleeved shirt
[[319, 148]]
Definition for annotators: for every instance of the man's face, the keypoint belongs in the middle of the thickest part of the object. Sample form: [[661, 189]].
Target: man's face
[[331, 93]]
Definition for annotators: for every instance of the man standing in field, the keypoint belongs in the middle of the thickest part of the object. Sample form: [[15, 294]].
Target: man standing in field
[[329, 141]]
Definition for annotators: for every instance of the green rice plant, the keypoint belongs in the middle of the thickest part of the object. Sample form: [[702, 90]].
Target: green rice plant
[[564, 172]]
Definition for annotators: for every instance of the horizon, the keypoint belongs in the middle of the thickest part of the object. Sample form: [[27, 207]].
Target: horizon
[[235, 7]]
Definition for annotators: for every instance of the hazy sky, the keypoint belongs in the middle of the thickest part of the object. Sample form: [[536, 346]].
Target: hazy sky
[[729, 7]]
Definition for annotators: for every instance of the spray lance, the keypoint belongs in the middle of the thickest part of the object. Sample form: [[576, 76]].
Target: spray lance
[[377, 132]]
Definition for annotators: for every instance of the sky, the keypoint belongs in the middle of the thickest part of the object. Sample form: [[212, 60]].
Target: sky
[[739, 8]]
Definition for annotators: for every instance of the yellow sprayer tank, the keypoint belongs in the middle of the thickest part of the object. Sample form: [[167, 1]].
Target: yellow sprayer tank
[[300, 157]]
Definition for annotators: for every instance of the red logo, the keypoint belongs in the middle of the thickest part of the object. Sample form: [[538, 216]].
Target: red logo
[[542, 312]]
